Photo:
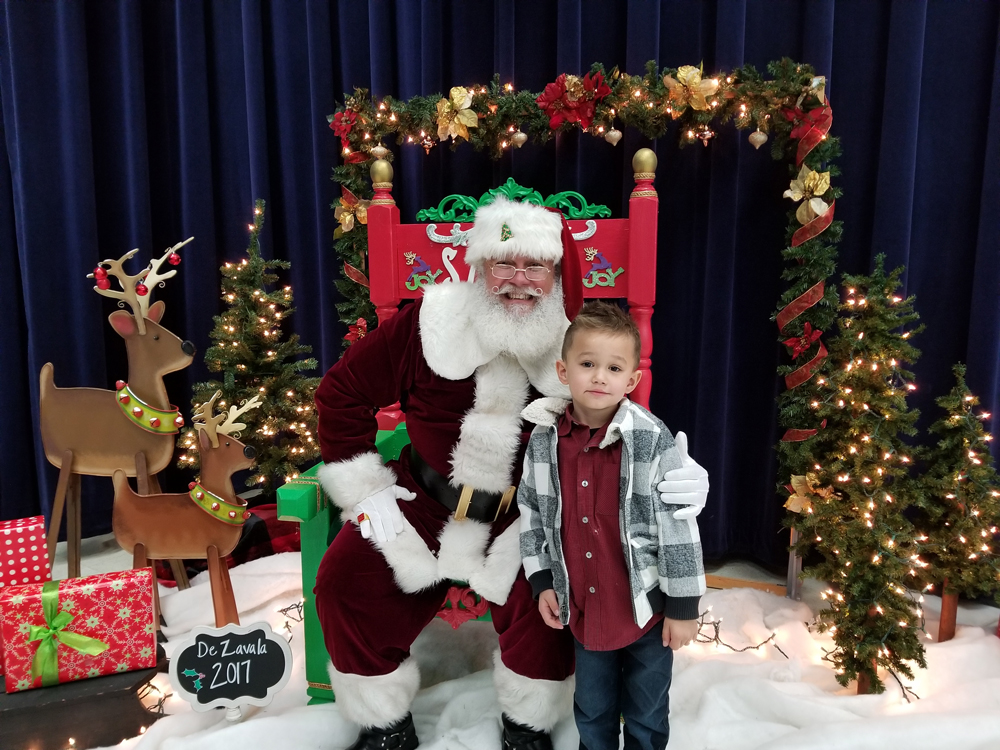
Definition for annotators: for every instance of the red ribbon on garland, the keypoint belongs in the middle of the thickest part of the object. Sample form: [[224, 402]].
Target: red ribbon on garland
[[795, 436], [814, 227], [810, 128], [800, 304], [801, 375]]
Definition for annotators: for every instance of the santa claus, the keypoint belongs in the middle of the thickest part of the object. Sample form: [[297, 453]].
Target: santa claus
[[462, 361]]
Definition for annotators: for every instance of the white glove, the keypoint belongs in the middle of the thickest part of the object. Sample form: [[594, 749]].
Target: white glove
[[379, 514], [687, 485]]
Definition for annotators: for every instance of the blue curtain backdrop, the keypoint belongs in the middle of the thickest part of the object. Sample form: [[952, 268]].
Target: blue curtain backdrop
[[130, 124]]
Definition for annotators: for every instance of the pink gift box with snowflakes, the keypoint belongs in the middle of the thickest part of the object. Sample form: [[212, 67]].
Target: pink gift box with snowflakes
[[78, 628], [24, 558]]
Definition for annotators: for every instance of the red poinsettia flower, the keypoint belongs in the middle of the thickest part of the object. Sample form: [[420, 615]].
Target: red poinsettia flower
[[806, 121], [573, 99], [342, 125], [552, 100], [358, 331], [801, 344]]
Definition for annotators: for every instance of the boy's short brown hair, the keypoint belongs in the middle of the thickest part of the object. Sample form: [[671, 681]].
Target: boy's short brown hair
[[601, 316]]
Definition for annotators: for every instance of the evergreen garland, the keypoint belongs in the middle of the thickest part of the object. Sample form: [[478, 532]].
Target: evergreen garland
[[256, 360]]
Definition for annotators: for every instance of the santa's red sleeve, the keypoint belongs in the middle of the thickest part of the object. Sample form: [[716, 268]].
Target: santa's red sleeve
[[374, 372]]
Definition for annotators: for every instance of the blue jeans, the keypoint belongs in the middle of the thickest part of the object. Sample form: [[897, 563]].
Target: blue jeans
[[631, 682]]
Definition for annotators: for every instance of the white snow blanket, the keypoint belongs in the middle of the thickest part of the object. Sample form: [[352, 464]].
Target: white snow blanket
[[720, 700]]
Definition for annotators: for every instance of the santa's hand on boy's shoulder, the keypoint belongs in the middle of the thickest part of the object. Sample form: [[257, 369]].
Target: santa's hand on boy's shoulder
[[687, 485], [379, 515]]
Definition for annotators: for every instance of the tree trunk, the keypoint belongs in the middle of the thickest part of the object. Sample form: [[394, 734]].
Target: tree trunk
[[949, 614], [864, 683]]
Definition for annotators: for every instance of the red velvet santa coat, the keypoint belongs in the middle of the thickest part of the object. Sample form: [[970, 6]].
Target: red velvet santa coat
[[462, 402]]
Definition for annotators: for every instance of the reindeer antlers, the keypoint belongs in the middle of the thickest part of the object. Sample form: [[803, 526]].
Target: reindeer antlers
[[155, 278], [150, 276], [127, 295], [223, 424]]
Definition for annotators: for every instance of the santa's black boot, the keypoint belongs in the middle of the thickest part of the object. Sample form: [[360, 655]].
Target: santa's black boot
[[519, 737], [399, 736]]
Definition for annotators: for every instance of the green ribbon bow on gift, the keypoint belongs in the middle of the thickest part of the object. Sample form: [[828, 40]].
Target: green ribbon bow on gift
[[46, 661]]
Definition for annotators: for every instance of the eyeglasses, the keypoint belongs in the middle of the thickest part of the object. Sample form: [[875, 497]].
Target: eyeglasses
[[506, 271]]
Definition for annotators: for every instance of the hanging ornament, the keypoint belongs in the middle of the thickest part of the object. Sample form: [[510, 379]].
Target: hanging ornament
[[428, 143], [380, 151], [141, 289], [757, 138], [613, 136], [705, 135], [174, 259], [519, 139], [100, 273]]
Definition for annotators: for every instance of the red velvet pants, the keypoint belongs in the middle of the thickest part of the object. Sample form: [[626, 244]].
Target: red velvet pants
[[369, 624]]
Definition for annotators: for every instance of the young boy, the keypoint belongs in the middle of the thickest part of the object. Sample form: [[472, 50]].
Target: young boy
[[603, 554]]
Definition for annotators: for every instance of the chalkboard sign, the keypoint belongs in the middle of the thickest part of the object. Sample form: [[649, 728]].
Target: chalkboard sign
[[230, 666]]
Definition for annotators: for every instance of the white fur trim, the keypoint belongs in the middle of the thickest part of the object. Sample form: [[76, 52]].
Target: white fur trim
[[449, 342], [539, 704], [376, 701], [484, 455], [542, 372], [413, 565], [463, 548], [545, 411], [494, 579], [535, 232], [351, 481]]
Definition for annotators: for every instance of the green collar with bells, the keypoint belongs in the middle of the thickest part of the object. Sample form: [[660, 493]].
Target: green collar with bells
[[216, 507], [145, 416]]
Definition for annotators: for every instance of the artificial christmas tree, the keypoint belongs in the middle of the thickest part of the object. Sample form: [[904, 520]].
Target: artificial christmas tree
[[961, 494], [255, 360], [852, 502]]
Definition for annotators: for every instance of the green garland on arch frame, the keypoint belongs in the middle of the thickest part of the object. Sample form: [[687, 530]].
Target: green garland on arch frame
[[789, 109]]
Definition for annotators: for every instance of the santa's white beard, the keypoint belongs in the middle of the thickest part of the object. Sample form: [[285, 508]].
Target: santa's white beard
[[526, 335]]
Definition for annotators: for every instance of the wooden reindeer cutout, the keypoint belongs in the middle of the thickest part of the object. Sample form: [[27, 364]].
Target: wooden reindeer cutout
[[203, 524], [94, 431]]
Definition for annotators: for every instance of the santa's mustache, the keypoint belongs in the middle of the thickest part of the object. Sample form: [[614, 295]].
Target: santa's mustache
[[511, 288]]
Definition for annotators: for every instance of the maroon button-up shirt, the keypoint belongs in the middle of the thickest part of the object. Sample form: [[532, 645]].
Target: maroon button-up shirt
[[600, 600]]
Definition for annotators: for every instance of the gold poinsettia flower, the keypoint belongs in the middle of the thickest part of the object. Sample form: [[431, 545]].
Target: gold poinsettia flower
[[806, 490], [807, 187], [351, 209], [454, 116], [689, 88]]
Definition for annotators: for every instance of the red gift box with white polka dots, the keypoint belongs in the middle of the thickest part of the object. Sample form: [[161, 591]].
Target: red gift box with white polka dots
[[114, 609], [24, 558]]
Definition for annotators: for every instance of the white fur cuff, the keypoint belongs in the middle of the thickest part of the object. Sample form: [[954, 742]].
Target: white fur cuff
[[538, 704], [377, 701], [349, 482], [494, 579]]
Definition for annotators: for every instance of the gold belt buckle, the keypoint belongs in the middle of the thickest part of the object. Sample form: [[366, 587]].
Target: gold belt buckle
[[465, 500], [508, 495]]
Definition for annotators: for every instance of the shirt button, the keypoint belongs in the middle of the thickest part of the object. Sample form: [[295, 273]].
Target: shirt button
[[586, 449], [589, 555], [583, 483], [585, 520], [592, 589]]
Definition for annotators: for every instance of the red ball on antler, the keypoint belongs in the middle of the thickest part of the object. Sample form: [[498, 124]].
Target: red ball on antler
[[174, 259], [100, 273], [141, 289], [104, 283]]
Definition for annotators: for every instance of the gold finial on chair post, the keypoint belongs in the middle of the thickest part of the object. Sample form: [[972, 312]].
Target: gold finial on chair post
[[644, 167], [381, 174]]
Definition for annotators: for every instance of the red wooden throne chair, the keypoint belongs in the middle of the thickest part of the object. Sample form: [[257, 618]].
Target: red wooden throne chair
[[618, 260]]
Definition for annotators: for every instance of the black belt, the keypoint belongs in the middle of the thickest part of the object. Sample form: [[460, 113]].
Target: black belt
[[465, 502]]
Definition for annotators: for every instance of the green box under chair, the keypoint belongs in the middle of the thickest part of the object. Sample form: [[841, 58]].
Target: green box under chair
[[303, 501]]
